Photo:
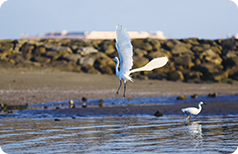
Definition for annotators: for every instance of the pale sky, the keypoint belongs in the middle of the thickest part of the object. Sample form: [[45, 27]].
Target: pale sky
[[209, 19]]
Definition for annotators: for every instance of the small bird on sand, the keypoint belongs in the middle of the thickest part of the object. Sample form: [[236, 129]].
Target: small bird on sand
[[192, 110], [125, 52]]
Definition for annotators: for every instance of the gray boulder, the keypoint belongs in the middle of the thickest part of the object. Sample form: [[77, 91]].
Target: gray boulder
[[91, 58], [86, 61], [192, 76], [222, 75], [18, 58], [106, 70], [110, 49], [230, 54], [139, 52], [61, 49], [169, 44], [27, 48], [106, 44], [50, 45], [86, 50], [207, 69], [217, 49], [139, 61], [228, 45], [43, 60], [230, 59], [200, 48], [192, 41], [156, 54], [53, 55], [176, 76], [210, 56], [155, 44], [6, 47], [142, 44], [233, 72], [181, 49], [103, 62], [169, 67], [89, 69], [71, 57], [147, 47], [185, 61], [39, 50]]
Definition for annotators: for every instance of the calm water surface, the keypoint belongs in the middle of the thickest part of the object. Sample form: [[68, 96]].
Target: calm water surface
[[114, 134]]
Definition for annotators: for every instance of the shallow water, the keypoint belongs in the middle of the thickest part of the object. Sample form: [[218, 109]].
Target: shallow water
[[138, 100], [114, 134]]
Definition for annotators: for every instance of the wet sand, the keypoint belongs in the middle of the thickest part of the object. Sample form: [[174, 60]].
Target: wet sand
[[18, 87]]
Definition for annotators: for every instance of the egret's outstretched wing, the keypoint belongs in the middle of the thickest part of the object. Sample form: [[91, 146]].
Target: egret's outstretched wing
[[153, 64], [124, 48]]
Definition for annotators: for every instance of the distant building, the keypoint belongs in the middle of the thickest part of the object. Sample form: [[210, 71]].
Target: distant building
[[112, 35], [64, 34], [96, 35], [232, 36]]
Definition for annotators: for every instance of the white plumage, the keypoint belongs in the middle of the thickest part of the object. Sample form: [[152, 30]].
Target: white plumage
[[192, 110], [125, 52]]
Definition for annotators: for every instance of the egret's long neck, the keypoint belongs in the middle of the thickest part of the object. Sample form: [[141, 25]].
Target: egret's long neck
[[117, 65], [199, 107]]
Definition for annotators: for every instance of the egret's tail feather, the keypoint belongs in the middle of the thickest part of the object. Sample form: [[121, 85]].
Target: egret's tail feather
[[153, 64]]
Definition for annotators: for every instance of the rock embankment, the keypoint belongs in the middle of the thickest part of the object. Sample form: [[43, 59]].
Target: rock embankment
[[190, 60]]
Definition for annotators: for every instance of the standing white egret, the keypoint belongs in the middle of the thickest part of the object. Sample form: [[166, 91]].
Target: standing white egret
[[124, 49], [192, 110]]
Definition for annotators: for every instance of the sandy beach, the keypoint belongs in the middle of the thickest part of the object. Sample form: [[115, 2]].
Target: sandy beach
[[18, 87]]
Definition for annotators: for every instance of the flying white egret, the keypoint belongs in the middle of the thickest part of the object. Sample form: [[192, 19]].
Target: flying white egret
[[1, 2], [124, 49], [192, 110]]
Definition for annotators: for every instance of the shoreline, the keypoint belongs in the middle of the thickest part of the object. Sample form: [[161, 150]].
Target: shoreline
[[211, 108], [23, 87]]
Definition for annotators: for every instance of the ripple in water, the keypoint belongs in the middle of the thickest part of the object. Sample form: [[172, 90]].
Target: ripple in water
[[126, 134]]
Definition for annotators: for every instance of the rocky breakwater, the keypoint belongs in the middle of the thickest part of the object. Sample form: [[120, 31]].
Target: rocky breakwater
[[190, 60]]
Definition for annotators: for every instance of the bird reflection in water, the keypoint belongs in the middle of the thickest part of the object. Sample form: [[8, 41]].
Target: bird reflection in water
[[195, 132]]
